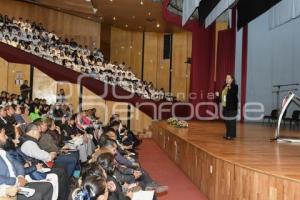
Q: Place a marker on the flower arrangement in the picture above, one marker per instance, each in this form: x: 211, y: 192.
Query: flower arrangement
x: 173, y: 121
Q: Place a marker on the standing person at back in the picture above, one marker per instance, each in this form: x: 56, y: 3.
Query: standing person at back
x: 25, y: 89
x: 61, y: 97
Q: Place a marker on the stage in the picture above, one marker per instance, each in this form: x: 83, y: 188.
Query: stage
x: 249, y: 167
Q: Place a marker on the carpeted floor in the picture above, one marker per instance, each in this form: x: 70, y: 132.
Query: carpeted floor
x: 165, y: 172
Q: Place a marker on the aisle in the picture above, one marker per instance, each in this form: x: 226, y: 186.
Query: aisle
x: 162, y: 169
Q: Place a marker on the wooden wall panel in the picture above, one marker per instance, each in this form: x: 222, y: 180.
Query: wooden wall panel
x: 224, y: 180
x: 151, y: 57
x: 84, y: 31
x: 136, y: 53
x: 106, y: 40
x: 91, y: 100
x: 139, y: 120
x: 219, y: 179
x: 71, y: 92
x: 156, y: 69
x: 4, y: 72
x: 13, y: 70
x: 163, y: 66
x: 120, y: 46
x: 118, y: 108
x: 44, y: 86
x: 126, y: 46
x: 9, y: 72
x: 181, y: 70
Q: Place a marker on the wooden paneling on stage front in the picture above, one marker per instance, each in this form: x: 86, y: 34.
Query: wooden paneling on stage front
x: 250, y: 167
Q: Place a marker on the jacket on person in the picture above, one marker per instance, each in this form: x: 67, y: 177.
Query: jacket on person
x: 47, y: 143
x: 4, y: 172
x: 232, y: 98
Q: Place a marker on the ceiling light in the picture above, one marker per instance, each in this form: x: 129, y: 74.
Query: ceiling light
x: 142, y: 3
x: 114, y: 18
x: 88, y: 0
x: 157, y: 25
x: 149, y: 13
x: 111, y: 0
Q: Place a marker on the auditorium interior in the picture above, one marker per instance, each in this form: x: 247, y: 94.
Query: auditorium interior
x: 149, y: 100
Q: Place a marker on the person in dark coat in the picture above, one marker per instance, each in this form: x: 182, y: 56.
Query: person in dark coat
x: 25, y: 90
x: 229, y: 101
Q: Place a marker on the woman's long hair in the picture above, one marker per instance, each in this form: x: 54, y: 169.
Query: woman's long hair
x: 233, y: 80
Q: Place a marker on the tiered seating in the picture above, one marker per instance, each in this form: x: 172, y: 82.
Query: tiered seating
x: 68, y: 61
x: 70, y: 155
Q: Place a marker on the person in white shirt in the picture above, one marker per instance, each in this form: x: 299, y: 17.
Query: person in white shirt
x: 32, y: 38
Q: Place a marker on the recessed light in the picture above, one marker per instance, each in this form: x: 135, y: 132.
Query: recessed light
x: 157, y: 25
x: 114, y: 18
x: 111, y: 0
x: 88, y: 0
x: 142, y: 3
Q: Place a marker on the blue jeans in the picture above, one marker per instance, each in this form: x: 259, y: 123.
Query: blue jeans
x: 68, y: 161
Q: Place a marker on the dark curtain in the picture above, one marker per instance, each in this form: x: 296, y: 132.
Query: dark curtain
x: 244, y: 69
x: 225, y: 57
x: 205, y: 7
x: 201, y: 79
x: 226, y: 53
x: 250, y: 9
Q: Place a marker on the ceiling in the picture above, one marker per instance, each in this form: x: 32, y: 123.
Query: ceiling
x: 79, y: 8
x: 126, y: 14
x: 176, y: 7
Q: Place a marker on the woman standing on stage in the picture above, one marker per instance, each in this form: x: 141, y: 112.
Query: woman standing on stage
x: 229, y: 101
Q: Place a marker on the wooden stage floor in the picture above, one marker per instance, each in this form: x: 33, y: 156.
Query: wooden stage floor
x: 251, y: 150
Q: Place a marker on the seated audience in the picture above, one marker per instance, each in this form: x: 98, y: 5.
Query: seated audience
x: 33, y: 38
x: 77, y: 139
x: 56, y: 141
x: 12, y: 174
x: 32, y: 151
